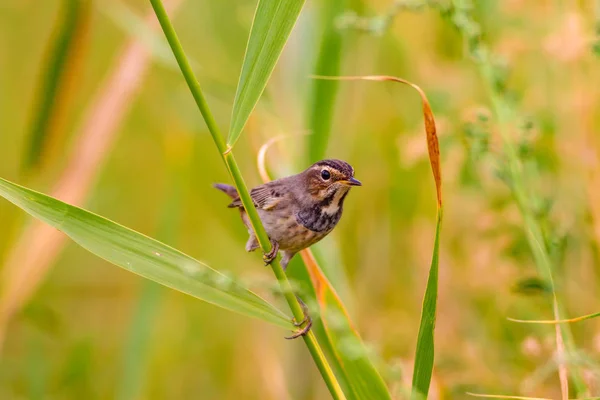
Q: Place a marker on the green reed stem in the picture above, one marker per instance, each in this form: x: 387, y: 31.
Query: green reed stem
x: 505, y: 118
x: 261, y: 234
x: 533, y: 230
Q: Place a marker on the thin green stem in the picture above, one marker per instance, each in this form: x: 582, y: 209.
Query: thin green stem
x: 261, y: 234
x: 533, y: 231
x: 535, y: 237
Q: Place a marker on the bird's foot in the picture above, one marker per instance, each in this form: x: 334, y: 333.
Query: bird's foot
x: 270, y: 256
x: 307, y: 322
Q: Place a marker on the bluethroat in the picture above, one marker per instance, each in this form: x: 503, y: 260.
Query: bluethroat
x: 299, y: 210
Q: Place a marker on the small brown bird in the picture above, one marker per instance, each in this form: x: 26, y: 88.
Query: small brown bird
x: 299, y: 210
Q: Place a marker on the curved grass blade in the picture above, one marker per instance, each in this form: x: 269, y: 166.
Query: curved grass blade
x: 501, y: 396
x: 348, y: 353
x: 433, y: 146
x: 142, y: 255
x: 348, y: 347
x: 555, y: 321
x: 272, y: 25
x: 424, y: 356
x: 302, y: 278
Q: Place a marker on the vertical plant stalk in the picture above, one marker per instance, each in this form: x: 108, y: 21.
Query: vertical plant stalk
x: 535, y: 238
x: 229, y: 159
x: 458, y: 14
x: 533, y: 231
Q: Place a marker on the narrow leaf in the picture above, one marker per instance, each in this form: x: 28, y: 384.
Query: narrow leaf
x: 556, y: 321
x: 561, y: 356
x: 501, y: 396
x: 272, y: 25
x: 349, y: 348
x: 137, y: 349
x: 424, y: 356
x: 300, y: 276
x: 142, y: 255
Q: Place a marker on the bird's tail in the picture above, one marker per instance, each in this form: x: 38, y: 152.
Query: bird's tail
x: 227, y: 189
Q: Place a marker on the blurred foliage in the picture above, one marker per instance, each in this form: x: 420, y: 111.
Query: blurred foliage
x: 68, y: 339
x: 60, y: 71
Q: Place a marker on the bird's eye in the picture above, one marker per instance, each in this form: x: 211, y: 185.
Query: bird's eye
x: 325, y: 175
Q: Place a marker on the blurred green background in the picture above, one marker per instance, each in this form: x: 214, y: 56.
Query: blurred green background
x: 91, y: 330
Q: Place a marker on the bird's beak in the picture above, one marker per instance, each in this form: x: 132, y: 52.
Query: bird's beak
x: 352, y: 182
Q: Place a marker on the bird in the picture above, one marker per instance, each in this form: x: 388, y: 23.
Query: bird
x: 299, y: 210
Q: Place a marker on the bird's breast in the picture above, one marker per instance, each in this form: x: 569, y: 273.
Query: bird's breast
x: 318, y: 219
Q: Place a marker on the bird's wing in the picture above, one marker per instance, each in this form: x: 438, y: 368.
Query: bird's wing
x: 265, y: 197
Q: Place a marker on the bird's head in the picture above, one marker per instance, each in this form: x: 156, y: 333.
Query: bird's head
x: 327, y: 178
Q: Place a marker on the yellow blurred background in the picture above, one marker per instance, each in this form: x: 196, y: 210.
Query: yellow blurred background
x: 122, y: 138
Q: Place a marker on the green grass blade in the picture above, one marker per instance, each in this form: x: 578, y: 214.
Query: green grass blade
x: 322, y: 100
x: 272, y: 25
x: 365, y: 381
x: 136, y: 351
x: 76, y: 378
x: 142, y: 255
x: 501, y: 396
x: 556, y: 321
x: 361, y: 378
x: 301, y: 277
x: 56, y: 72
x: 425, y: 342
x: 37, y: 369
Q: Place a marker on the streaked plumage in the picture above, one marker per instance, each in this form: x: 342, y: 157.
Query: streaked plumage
x: 299, y: 210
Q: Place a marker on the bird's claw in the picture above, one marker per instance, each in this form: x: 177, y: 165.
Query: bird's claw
x: 306, y: 320
x: 301, y: 331
x: 270, y: 256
